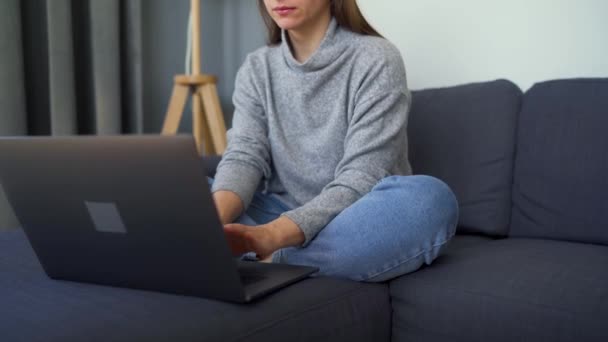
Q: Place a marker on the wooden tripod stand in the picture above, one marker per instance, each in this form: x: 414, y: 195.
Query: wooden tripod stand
x: 208, y: 125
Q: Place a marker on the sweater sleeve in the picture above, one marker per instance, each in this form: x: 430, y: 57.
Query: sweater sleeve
x: 247, y: 157
x: 375, y: 141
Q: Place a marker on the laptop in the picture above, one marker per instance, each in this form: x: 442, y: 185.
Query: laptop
x: 129, y: 211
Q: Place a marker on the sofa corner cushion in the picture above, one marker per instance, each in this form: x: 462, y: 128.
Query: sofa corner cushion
x: 465, y: 135
x: 319, y: 309
x: 560, y: 188
x: 506, y: 290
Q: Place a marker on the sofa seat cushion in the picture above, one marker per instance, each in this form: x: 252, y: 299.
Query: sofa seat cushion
x: 512, y: 289
x: 36, y: 308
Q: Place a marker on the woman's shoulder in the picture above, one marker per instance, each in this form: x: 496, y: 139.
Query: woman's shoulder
x: 374, y: 49
x: 257, y: 61
x: 377, y: 58
x: 261, y: 55
x: 377, y: 63
x: 380, y: 45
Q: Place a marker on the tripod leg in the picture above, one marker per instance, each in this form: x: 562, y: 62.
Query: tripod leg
x: 200, y: 127
x: 175, y: 110
x: 215, y: 118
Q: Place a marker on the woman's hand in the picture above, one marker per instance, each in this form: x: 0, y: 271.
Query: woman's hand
x: 243, y: 239
x: 264, y: 239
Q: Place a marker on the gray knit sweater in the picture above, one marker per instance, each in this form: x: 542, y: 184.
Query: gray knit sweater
x: 319, y: 134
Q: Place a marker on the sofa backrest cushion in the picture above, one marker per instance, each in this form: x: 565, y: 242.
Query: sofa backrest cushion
x: 560, y: 188
x: 465, y: 136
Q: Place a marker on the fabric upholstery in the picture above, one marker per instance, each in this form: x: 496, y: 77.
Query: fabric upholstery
x: 506, y: 290
x: 465, y: 135
x: 560, y: 188
x: 211, y: 163
x: 36, y: 308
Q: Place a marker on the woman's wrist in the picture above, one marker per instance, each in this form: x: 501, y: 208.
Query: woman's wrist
x: 285, y: 233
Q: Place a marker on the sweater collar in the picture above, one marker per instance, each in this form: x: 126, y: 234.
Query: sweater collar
x: 326, y: 53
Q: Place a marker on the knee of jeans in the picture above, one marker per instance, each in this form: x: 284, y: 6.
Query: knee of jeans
x: 443, y: 199
x: 434, y: 196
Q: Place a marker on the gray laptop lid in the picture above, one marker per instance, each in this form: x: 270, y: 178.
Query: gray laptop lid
x: 130, y: 211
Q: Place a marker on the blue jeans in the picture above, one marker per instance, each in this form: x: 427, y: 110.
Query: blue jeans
x: 401, y: 224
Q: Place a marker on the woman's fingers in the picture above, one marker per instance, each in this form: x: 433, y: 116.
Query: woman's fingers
x: 243, y: 239
x: 236, y: 239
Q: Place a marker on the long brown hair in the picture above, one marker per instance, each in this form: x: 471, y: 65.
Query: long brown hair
x: 346, y: 12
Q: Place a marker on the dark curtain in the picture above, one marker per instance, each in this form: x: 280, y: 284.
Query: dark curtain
x: 69, y: 67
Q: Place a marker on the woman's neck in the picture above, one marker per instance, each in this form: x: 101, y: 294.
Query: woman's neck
x: 305, y: 41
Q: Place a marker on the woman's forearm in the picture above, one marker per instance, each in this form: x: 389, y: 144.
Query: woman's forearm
x: 229, y: 206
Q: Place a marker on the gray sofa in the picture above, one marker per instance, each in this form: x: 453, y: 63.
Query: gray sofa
x: 529, y: 263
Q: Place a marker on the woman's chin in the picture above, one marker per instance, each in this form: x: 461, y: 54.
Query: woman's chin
x: 288, y: 23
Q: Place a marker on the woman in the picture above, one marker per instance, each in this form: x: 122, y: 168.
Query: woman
x: 316, y: 168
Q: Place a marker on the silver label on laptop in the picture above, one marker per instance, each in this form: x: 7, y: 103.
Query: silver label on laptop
x: 106, y: 217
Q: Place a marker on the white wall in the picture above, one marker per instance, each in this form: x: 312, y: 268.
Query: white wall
x: 447, y: 42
